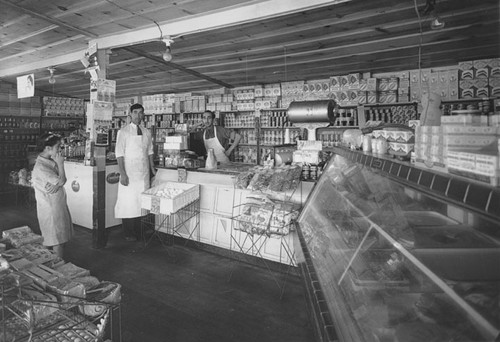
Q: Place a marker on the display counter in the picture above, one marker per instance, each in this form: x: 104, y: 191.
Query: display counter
x: 80, y: 192
x: 392, y: 252
x: 220, y: 202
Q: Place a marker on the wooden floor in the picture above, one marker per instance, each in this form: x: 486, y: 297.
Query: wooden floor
x: 183, y: 294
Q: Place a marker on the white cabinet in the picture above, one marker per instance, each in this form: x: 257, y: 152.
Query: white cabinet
x: 206, y: 227
x: 224, y: 201
x: 207, y: 198
x: 222, y: 232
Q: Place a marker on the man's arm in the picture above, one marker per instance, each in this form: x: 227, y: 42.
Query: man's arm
x: 235, y: 143
x: 123, y: 173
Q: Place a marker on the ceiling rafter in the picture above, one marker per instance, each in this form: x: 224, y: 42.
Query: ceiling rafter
x: 49, y: 19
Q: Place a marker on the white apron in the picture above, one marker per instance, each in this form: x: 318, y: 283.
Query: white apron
x: 214, y: 143
x: 52, y: 209
x: 128, y: 202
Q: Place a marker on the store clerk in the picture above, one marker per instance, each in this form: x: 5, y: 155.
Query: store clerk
x: 218, y: 138
x: 134, y: 153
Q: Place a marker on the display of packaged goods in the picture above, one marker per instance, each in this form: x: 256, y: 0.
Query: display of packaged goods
x: 41, y: 274
x: 88, y: 281
x: 169, y: 197
x: 67, y: 290
x: 32, y: 304
x: 71, y: 271
x: 21, y: 235
x: 37, y: 253
x: 400, y: 149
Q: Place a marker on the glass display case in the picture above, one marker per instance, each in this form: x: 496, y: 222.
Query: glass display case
x: 390, y: 259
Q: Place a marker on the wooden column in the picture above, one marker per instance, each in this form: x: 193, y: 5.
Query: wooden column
x: 99, y: 235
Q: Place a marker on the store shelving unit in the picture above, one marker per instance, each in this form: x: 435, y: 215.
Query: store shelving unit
x: 399, y: 249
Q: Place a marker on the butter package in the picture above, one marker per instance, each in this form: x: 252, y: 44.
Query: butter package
x: 362, y: 97
x: 495, y: 68
x: 465, y: 70
x: 352, y: 96
x: 306, y: 157
x: 494, y: 87
x: 466, y: 89
x: 371, y: 84
x: 371, y: 97
x: 354, y: 81
x: 383, y: 84
x: 363, y: 84
x: 335, y: 83
x: 481, y: 87
x: 344, y: 82
x: 481, y: 68
x: 400, y: 149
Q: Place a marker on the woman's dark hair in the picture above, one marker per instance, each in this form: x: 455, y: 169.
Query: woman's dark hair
x: 136, y: 106
x: 48, y: 139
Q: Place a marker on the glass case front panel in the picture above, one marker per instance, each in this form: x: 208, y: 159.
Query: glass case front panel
x: 398, y: 265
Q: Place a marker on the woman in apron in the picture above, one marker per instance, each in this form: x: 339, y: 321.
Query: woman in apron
x: 134, y: 153
x: 219, y: 139
x: 48, y: 179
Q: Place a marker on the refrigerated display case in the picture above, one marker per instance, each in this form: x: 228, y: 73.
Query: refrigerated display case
x: 395, y: 253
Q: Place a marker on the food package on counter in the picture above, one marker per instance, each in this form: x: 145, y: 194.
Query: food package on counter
x: 243, y: 179
x: 306, y: 157
x: 262, y: 218
x: 67, y: 290
x: 42, y: 275
x: 261, y: 179
x: 20, y: 236
x: 256, y: 214
x: 37, y: 253
x: 33, y: 304
x: 71, y: 271
x: 21, y: 264
x: 97, y: 298
x: 284, y: 214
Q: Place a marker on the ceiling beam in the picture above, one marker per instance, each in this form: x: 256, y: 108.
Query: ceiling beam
x: 194, y: 24
x: 177, y: 66
x: 49, y: 19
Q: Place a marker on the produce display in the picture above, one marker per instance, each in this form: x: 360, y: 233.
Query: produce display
x: 45, y: 299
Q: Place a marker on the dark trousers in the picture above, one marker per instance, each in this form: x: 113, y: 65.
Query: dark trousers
x: 132, y: 227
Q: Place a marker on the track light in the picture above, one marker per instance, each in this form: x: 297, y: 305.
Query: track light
x: 167, y: 55
x: 437, y: 23
x: 52, y: 80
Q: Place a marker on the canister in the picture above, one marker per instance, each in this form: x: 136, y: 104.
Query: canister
x: 367, y: 143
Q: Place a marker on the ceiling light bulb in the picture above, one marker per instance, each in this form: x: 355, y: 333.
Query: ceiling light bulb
x: 52, y: 80
x: 167, y: 55
x: 437, y: 23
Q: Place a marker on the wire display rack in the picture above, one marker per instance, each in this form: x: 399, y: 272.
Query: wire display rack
x: 24, y: 319
x: 249, y: 237
x: 184, y: 223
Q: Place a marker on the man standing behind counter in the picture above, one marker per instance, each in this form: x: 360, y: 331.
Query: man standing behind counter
x: 134, y: 153
x: 218, y: 138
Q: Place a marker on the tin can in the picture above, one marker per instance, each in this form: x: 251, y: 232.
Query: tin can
x: 367, y: 143
x: 313, y: 174
x: 306, y: 171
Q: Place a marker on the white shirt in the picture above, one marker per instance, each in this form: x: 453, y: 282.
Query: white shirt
x: 130, y: 130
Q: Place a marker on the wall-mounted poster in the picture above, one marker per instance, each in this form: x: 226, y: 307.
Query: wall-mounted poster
x: 26, y: 86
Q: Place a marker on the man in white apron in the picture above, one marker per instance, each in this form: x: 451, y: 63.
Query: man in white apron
x: 217, y: 138
x: 134, y: 153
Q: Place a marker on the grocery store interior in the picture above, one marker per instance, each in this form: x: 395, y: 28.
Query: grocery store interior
x: 356, y: 197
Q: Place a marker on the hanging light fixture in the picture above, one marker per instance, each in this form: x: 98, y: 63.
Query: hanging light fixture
x: 437, y: 23
x: 167, y: 55
x: 52, y: 79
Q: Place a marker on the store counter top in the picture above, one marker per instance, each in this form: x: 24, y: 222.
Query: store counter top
x: 224, y: 169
